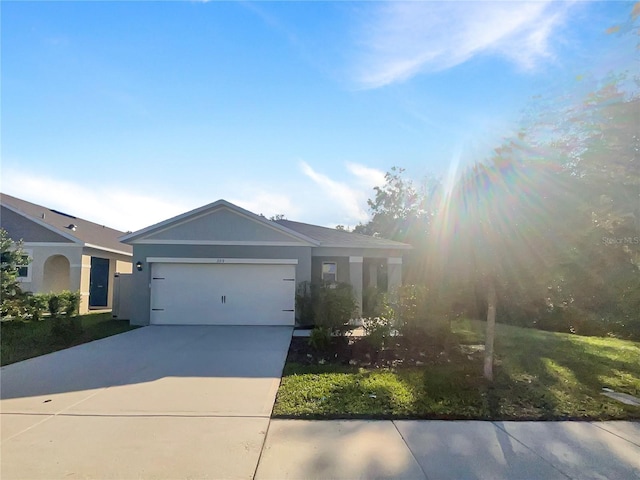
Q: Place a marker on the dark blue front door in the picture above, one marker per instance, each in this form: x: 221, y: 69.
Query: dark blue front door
x: 99, y: 282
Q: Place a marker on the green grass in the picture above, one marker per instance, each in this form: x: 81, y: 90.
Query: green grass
x: 22, y: 340
x: 539, y: 376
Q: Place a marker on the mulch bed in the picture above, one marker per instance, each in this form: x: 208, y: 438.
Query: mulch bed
x: 357, y: 351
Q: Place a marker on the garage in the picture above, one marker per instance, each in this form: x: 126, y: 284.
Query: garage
x: 222, y: 265
x: 222, y: 291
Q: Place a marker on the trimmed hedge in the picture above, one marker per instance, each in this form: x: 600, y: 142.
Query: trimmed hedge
x: 34, y: 306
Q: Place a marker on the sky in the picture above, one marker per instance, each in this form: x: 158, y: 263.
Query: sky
x: 128, y: 113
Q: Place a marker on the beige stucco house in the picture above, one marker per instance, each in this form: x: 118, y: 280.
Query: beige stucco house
x: 66, y: 252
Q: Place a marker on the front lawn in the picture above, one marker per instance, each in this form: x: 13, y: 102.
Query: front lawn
x: 21, y: 340
x: 539, y: 376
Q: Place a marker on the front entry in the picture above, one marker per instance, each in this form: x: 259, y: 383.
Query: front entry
x: 99, y: 283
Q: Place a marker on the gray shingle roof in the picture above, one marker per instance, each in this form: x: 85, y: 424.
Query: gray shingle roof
x: 86, y: 232
x: 330, y: 237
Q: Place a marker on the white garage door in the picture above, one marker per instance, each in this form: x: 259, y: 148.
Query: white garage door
x: 222, y: 294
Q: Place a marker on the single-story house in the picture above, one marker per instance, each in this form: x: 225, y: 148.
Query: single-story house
x: 66, y: 252
x: 223, y: 265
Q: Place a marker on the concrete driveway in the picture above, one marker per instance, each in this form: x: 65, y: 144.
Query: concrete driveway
x: 157, y: 402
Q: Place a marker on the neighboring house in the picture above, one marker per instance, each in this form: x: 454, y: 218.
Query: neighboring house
x: 221, y: 264
x: 67, y: 253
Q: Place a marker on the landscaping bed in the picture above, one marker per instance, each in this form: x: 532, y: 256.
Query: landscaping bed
x: 357, y: 351
x: 538, y: 376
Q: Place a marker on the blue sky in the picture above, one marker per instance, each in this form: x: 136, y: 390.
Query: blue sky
x: 127, y: 113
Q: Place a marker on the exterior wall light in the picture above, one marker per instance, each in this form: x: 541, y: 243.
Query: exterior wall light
x: 139, y: 266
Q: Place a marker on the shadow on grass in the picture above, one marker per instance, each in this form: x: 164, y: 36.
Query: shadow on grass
x: 551, y: 376
x: 538, y: 376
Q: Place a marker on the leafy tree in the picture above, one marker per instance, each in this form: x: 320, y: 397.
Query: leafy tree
x: 545, y: 232
x: 548, y: 228
x: 12, y: 258
x: 602, y: 173
x: 399, y: 210
x: 403, y: 212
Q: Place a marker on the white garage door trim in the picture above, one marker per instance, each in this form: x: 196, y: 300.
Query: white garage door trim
x: 222, y: 291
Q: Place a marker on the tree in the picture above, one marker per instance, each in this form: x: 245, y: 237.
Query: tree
x: 499, y: 234
x: 598, y: 156
x: 12, y: 259
x: 550, y: 225
x: 403, y: 212
x: 400, y: 211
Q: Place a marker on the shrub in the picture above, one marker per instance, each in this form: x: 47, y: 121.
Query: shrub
x: 320, y: 338
x: 422, y: 316
x: 410, y: 308
x: 334, y: 306
x: 372, y: 299
x: 71, y: 302
x: 14, y: 307
x: 376, y: 303
x: 54, y: 303
x: 327, y: 305
x: 304, y: 302
x: 37, y: 304
x: 377, y: 331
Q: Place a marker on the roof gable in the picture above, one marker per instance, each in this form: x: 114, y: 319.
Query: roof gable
x: 68, y: 227
x: 219, y: 223
x: 22, y: 227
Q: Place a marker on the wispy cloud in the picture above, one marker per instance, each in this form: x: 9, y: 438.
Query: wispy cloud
x: 349, y: 200
x: 267, y: 203
x: 403, y: 39
x: 118, y: 206
x: 367, y: 176
x: 107, y: 205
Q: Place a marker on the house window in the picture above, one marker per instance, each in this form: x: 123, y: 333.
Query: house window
x: 329, y: 272
x: 23, y: 266
x: 23, y: 272
x: 24, y: 269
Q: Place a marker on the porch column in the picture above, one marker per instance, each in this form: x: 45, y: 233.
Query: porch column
x: 84, y: 275
x: 394, y: 274
x: 355, y: 278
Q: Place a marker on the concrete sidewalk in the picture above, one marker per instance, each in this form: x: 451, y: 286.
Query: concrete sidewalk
x: 358, y: 449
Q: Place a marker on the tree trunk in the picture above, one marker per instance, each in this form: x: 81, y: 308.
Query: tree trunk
x: 491, y: 331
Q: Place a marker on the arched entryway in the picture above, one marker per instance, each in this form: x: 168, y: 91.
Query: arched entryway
x: 56, y: 274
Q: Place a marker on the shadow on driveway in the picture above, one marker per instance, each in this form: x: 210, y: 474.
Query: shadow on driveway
x: 158, y: 366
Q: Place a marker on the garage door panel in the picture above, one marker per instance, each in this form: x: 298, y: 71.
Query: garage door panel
x: 222, y: 294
